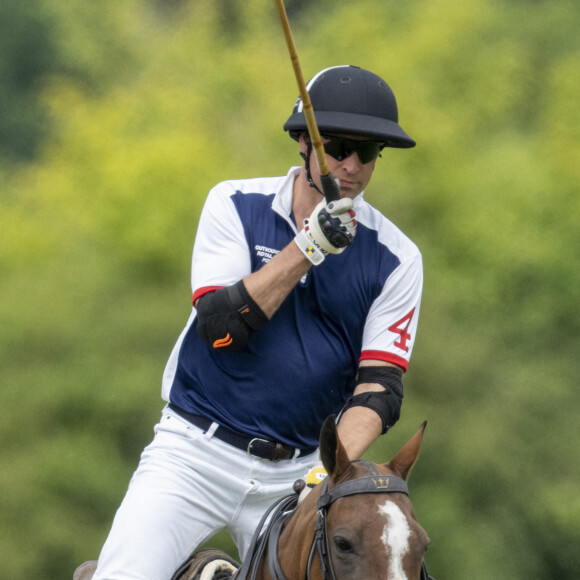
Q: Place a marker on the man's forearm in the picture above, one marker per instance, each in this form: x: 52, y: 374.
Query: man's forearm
x: 270, y: 285
x: 358, y: 429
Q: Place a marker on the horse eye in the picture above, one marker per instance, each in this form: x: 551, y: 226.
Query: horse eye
x: 342, y: 544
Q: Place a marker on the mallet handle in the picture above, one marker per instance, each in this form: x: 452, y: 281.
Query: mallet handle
x: 330, y: 187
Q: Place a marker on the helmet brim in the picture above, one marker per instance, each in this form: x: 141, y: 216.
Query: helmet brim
x: 376, y: 129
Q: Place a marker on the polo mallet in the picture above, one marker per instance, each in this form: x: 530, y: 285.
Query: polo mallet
x: 329, y: 185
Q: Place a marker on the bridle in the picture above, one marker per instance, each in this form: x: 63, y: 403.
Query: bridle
x: 281, y: 511
x: 370, y: 484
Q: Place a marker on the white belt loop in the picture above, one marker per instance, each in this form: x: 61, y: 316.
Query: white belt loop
x: 212, y: 429
x: 296, y: 454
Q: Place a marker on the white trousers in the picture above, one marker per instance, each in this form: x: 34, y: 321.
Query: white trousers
x: 188, y: 486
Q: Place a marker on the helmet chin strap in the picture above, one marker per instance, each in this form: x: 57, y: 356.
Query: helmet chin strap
x: 306, y: 157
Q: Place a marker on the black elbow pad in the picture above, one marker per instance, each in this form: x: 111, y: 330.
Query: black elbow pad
x: 227, y: 318
x: 386, y: 404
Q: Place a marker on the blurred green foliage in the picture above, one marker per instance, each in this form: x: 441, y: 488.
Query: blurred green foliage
x: 117, y: 118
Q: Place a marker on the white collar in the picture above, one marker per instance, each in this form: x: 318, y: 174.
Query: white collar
x: 282, y: 203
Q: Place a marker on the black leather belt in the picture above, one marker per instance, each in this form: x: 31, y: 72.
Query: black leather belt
x: 253, y: 445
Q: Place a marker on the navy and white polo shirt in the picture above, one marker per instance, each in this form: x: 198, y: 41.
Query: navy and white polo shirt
x: 300, y: 367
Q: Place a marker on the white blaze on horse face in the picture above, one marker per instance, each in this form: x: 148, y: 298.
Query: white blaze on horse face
x: 395, y: 538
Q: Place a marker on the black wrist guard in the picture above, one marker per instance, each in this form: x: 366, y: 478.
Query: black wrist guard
x: 387, y: 403
x: 227, y: 318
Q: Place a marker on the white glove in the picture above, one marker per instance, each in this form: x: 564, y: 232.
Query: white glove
x: 329, y: 230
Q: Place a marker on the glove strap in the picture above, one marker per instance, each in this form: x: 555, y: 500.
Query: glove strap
x: 305, y: 245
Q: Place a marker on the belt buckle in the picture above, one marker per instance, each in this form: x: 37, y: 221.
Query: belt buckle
x: 257, y: 440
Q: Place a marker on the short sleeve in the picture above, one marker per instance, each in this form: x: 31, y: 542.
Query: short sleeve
x: 221, y: 255
x: 391, y: 325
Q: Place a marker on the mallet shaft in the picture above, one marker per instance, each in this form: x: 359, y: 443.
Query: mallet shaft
x: 331, y: 189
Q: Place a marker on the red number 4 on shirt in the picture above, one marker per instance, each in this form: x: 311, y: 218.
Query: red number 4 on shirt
x: 400, y: 327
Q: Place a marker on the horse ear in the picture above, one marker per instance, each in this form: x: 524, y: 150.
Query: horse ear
x: 332, y: 452
x: 403, y: 462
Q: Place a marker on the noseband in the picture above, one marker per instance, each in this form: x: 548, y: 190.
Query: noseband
x: 281, y: 511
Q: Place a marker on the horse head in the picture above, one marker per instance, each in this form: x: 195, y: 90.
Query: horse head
x: 370, y: 528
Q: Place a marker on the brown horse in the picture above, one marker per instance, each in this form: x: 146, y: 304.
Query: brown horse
x: 358, y: 524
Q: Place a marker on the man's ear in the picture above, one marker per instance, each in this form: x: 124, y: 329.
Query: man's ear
x: 303, y: 143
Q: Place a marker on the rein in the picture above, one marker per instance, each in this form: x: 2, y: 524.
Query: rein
x: 276, y: 516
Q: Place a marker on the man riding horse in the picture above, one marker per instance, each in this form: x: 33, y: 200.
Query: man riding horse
x: 301, y: 308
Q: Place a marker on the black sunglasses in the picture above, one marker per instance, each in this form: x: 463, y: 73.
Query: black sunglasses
x: 340, y: 148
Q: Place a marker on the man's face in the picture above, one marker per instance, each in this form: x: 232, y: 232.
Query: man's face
x: 353, y: 174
